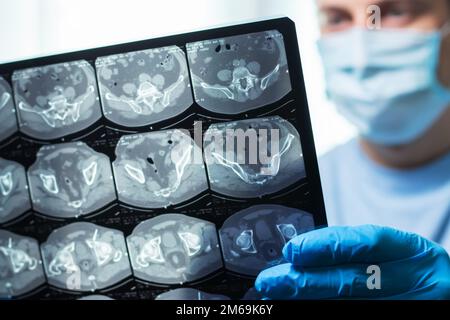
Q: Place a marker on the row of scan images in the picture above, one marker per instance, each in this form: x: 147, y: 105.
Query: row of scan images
x: 181, y: 294
x: 170, y: 249
x: 153, y: 170
x: 186, y: 294
x: 229, y: 75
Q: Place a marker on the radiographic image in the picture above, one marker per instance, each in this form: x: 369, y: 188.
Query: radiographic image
x: 56, y: 100
x: 252, y: 239
x: 85, y: 257
x: 143, y: 87
x: 20, y: 265
x: 158, y: 169
x: 174, y: 249
x: 240, y: 73
x: 14, y: 195
x: 70, y: 179
x: 253, y: 158
x: 7, y: 111
x: 189, y: 294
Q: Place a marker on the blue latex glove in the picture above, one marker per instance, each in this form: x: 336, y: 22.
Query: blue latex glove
x: 332, y: 263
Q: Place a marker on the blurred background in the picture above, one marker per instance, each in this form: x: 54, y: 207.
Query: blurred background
x: 30, y: 28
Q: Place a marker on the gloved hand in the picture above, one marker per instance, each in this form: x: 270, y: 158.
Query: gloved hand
x: 332, y: 263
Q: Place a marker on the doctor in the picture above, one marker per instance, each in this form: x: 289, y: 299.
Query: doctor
x: 393, y: 84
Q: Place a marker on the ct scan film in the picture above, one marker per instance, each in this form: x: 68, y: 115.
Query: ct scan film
x: 174, y: 168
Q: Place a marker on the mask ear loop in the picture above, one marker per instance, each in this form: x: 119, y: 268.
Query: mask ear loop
x: 445, y: 30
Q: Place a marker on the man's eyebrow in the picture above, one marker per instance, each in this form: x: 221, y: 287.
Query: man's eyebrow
x: 381, y: 3
x: 333, y: 6
x: 416, y: 6
x: 328, y: 7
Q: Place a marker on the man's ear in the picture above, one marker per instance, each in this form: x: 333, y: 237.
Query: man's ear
x: 444, y: 67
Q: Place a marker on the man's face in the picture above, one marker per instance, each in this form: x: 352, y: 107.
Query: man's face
x: 422, y: 15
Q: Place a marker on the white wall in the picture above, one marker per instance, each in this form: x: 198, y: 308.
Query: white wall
x: 40, y: 27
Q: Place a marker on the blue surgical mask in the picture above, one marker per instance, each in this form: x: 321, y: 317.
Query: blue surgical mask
x: 385, y: 82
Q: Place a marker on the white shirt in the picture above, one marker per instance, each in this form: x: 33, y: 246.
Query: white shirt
x: 358, y: 191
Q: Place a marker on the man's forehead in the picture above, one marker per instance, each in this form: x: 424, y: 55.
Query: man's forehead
x: 324, y: 4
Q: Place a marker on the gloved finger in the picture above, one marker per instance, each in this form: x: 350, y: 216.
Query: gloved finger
x: 363, y: 244
x: 287, y: 281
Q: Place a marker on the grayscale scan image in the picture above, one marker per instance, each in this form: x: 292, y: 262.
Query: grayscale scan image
x: 252, y: 239
x: 14, y: 193
x: 174, y: 249
x: 143, y: 87
x: 85, y: 257
x: 253, y: 158
x: 189, y: 294
x: 158, y: 169
x: 56, y: 100
x: 20, y: 265
x: 7, y: 111
x: 70, y: 179
x: 240, y: 73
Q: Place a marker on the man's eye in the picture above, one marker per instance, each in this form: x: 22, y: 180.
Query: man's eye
x: 397, y: 12
x: 334, y: 19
